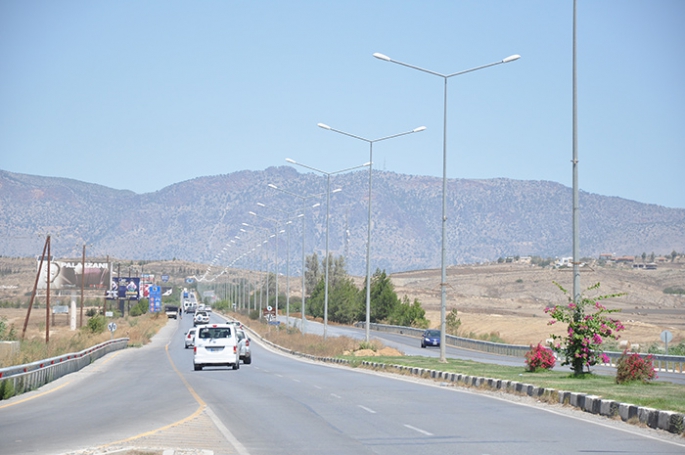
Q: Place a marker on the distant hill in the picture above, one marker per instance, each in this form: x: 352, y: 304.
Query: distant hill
x: 198, y: 219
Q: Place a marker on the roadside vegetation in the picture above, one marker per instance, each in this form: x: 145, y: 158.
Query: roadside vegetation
x: 139, y: 329
x: 659, y: 395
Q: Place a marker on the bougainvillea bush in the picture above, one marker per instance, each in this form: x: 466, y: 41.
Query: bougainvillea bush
x: 589, y: 325
x: 633, y: 367
x: 539, y: 358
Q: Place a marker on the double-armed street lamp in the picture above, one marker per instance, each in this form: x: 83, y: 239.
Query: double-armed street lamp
x: 368, y: 234
x: 265, y: 267
x: 303, y: 216
x: 278, y: 231
x: 288, y: 217
x: 445, y: 77
x: 328, y: 198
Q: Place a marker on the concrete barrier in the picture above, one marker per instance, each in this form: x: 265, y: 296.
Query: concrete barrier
x: 24, y: 378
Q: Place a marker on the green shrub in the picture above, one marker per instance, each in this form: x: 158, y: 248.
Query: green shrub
x: 97, y: 324
x: 674, y: 290
x: 6, y: 390
x: 139, y: 308
x: 254, y: 315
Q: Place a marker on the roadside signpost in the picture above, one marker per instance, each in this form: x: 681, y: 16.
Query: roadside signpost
x: 112, y: 328
x: 666, y: 336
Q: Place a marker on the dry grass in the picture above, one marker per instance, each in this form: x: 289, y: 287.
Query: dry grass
x: 139, y: 330
x: 293, y: 339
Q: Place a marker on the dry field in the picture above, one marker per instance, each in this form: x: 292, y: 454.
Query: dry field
x: 507, y: 299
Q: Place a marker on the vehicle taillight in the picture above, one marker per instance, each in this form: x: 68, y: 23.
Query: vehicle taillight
x: 195, y: 349
x: 235, y: 349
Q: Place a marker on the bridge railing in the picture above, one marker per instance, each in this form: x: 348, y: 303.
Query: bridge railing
x: 30, y: 376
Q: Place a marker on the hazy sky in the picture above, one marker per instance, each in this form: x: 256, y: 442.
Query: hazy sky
x: 139, y: 95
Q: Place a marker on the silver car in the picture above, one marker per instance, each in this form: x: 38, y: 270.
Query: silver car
x: 244, y: 346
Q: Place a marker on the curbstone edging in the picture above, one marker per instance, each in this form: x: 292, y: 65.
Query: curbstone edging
x: 670, y: 421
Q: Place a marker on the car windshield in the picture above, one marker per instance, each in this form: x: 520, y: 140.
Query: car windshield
x: 215, y: 332
x: 433, y: 333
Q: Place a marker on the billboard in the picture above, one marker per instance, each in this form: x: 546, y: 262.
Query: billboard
x: 68, y: 275
x: 124, y: 288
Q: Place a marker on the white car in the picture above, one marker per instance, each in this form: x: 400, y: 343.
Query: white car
x: 190, y: 337
x: 244, y: 346
x: 216, y: 345
x: 201, y: 317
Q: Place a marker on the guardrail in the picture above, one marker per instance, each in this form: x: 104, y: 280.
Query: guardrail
x: 667, y: 363
x: 30, y: 376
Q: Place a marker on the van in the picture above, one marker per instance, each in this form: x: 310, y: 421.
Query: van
x: 216, y: 345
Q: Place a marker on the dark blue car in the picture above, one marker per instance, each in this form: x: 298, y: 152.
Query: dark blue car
x: 430, y: 337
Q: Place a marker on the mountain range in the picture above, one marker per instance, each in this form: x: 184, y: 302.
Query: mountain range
x: 208, y: 220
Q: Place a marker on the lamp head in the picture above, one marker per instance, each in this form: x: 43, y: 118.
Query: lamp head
x: 252, y: 213
x: 511, y: 58
x: 291, y: 161
x: 271, y: 185
x: 380, y: 56
x: 323, y: 125
x: 260, y: 204
x: 419, y: 129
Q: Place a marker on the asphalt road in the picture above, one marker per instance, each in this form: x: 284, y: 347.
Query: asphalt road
x: 151, y: 397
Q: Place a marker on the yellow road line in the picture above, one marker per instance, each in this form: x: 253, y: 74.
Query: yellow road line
x: 197, y: 412
x: 34, y: 396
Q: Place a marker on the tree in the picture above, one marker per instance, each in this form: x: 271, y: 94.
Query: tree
x: 343, y: 295
x: 586, y: 330
x: 453, y: 323
x: 312, y: 273
x: 383, y: 298
x: 409, y: 314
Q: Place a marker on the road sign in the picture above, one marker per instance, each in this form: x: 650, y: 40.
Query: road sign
x: 112, y: 327
x: 666, y: 336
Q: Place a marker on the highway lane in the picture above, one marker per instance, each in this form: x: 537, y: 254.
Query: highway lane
x: 123, y: 394
x: 282, y: 405
x: 279, y: 405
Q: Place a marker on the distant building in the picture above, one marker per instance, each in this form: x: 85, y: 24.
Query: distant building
x: 606, y: 257
x: 625, y: 259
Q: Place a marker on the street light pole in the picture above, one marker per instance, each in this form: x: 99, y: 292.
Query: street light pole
x: 368, y: 234
x: 328, y: 197
x: 277, y: 229
x: 443, y: 267
x: 576, y: 210
x: 287, y: 215
x: 304, y: 212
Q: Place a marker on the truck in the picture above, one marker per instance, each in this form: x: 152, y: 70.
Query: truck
x: 171, y: 311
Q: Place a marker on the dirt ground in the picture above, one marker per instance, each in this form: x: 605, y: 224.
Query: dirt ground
x: 505, y: 299
x: 510, y: 299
